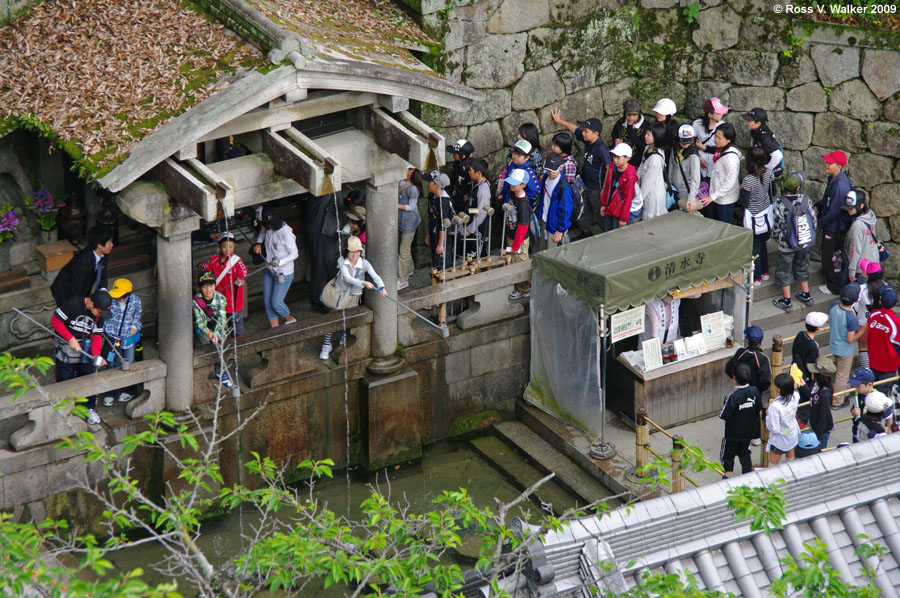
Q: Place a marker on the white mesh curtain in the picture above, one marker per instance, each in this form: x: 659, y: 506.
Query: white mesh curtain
x: 564, y: 344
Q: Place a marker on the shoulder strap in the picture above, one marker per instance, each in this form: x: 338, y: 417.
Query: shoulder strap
x: 871, y: 231
x: 228, y: 266
x: 124, y: 313
x: 201, y: 303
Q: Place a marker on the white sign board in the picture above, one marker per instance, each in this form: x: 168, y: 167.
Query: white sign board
x: 627, y: 323
x: 652, y: 354
x: 713, y: 327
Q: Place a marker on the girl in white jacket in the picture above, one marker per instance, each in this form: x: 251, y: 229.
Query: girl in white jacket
x: 281, y: 250
x: 781, y: 419
x: 725, y: 186
x: 650, y: 172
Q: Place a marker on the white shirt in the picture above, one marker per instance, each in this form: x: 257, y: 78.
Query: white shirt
x: 549, y: 186
x: 781, y: 420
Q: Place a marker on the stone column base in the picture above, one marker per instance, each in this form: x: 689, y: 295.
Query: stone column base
x: 391, y: 419
x: 385, y: 366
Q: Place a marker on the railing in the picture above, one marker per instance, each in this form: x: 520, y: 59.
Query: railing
x: 643, y: 451
x: 47, y: 424
x: 281, y: 349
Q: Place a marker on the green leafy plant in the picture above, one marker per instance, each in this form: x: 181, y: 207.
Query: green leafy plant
x: 691, y: 11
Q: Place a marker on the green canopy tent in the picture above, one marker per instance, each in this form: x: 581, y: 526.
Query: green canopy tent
x: 609, y: 273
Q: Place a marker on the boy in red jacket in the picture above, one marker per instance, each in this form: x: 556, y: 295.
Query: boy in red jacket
x: 884, y: 338
x: 617, y: 198
x: 230, y: 272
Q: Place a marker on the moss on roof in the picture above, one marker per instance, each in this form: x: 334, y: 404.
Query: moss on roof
x: 375, y: 31
x: 97, y: 76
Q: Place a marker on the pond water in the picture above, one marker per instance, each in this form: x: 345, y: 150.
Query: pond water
x: 448, y: 465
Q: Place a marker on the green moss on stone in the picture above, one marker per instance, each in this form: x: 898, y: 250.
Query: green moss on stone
x: 476, y: 421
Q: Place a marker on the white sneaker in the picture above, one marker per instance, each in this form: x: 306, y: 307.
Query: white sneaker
x: 325, y: 352
x: 92, y: 418
x: 757, y: 283
x: 401, y: 285
x: 108, y: 401
x: 765, y: 277
x: 517, y: 295
x: 755, y: 441
x: 124, y: 397
x: 823, y: 288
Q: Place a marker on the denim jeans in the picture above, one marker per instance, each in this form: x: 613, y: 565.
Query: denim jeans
x: 760, y: 264
x: 274, y: 293
x: 725, y: 213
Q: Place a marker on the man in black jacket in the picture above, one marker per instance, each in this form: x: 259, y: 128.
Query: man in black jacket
x: 753, y: 357
x: 756, y: 359
x: 832, y: 219
x: 86, y: 271
x: 741, y: 414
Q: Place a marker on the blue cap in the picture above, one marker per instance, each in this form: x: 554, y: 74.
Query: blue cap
x: 861, y: 376
x: 808, y: 440
x: 753, y: 333
x: 888, y: 296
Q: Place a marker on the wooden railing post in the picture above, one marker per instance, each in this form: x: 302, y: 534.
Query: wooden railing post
x: 641, y: 440
x: 677, y: 474
x: 777, y: 355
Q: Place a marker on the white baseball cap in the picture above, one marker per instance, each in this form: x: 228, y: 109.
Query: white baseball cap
x: 686, y: 132
x: 523, y: 146
x: 816, y: 318
x: 877, y: 402
x: 665, y: 106
x: 517, y: 176
x: 622, y: 149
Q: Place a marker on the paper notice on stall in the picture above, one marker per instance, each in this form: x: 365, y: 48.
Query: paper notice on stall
x: 713, y: 327
x: 627, y: 323
x: 695, y: 345
x: 652, y: 354
x: 680, y: 349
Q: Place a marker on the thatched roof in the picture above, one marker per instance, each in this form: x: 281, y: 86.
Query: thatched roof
x: 99, y: 76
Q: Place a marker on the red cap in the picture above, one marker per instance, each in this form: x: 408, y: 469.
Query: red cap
x: 836, y: 157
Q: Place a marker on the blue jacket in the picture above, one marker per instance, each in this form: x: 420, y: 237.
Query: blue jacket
x: 832, y: 203
x: 532, y: 187
x: 559, y: 216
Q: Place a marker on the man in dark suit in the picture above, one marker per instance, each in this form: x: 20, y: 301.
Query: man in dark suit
x: 86, y: 271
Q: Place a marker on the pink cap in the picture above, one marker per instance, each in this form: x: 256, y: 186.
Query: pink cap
x: 717, y: 106
x: 869, y: 267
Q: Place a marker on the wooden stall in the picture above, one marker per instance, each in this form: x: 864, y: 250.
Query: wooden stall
x: 675, y: 256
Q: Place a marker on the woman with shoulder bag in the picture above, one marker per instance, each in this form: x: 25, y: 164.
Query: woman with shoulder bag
x: 345, y: 289
x: 758, y: 212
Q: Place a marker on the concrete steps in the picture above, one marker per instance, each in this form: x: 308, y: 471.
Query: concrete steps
x: 777, y: 322
x: 522, y: 474
x: 587, y: 488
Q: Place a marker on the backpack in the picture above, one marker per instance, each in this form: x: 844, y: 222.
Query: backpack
x: 801, y: 229
x: 577, y: 187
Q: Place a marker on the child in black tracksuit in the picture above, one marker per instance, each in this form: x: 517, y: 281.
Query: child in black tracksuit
x: 741, y: 414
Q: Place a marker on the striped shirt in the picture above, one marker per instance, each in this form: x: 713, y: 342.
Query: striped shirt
x: 759, y: 191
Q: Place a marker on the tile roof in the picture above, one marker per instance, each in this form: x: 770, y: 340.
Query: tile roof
x: 834, y: 496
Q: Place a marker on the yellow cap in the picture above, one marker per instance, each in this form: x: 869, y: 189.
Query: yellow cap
x: 122, y: 286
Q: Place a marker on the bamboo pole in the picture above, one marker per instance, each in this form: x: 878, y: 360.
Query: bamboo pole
x: 776, y: 361
x: 641, y: 439
x: 677, y: 474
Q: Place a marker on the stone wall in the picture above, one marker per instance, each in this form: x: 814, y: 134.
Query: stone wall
x: 825, y: 87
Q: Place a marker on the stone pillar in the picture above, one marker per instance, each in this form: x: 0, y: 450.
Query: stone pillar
x: 381, y: 250
x: 175, y: 332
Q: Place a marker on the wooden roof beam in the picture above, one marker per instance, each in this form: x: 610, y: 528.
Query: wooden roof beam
x: 194, y: 185
x: 297, y: 157
x: 412, y: 139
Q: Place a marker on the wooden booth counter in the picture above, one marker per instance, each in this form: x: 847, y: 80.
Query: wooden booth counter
x: 673, y: 394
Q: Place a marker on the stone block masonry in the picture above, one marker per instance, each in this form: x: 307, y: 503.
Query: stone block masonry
x: 825, y: 86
